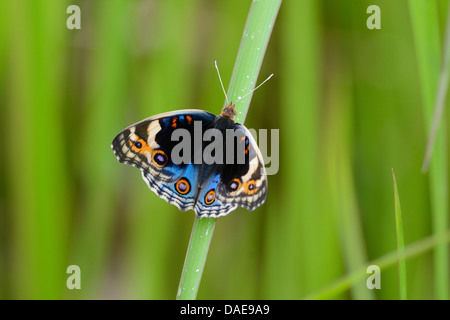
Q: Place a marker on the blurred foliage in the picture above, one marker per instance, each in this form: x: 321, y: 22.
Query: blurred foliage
x: 347, y: 101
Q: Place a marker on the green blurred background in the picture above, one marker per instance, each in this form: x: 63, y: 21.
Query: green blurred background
x: 348, y: 103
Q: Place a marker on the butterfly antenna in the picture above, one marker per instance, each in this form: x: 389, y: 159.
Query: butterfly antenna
x: 221, y: 83
x: 255, y: 88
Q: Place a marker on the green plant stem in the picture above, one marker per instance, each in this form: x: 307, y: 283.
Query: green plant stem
x: 199, y: 243
x: 258, y: 28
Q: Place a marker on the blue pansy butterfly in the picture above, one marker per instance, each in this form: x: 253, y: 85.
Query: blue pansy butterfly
x: 211, y: 189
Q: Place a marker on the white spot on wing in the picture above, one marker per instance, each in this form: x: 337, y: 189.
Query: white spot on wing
x: 152, y: 130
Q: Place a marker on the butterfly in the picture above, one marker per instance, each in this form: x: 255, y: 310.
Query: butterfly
x: 211, y: 189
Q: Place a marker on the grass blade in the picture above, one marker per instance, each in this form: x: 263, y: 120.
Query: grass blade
x: 440, y: 97
x: 424, y: 22
x: 400, y: 242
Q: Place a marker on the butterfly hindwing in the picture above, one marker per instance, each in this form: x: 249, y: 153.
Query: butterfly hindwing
x: 208, y: 205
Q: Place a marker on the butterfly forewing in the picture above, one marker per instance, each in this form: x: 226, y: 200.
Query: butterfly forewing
x: 148, y: 146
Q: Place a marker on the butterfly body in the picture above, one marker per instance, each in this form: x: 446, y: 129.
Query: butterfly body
x: 232, y: 175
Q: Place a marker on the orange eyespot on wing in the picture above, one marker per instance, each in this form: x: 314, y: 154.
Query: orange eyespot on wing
x: 210, y: 197
x: 250, y: 187
x: 183, y: 186
x: 159, y: 158
x: 139, y: 146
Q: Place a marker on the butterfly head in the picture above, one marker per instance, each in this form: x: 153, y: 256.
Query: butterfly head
x: 229, y: 111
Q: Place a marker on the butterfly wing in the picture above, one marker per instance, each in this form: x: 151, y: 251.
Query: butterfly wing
x: 147, y: 145
x: 243, y: 185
